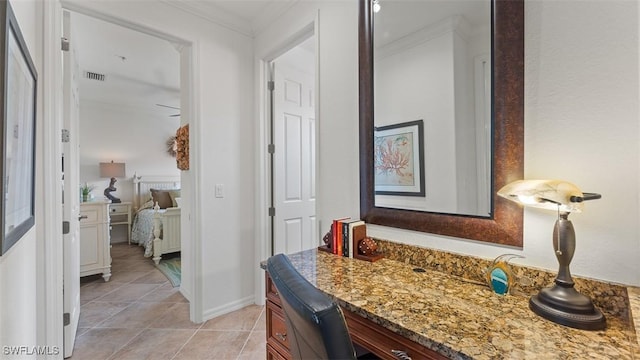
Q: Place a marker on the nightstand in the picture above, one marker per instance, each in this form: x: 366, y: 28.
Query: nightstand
x: 120, y: 214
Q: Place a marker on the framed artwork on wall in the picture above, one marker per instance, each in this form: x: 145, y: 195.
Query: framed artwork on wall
x: 399, y: 159
x: 18, y: 103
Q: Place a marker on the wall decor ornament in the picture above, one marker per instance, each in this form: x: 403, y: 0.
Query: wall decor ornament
x: 182, y: 147
x: 171, y: 145
x: 18, y: 103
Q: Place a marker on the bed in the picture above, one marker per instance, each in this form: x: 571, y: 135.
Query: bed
x: 156, y: 224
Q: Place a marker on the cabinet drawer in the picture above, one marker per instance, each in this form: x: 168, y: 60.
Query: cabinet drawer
x: 92, y: 216
x: 272, y: 292
x: 273, y: 354
x: 118, y: 209
x: 382, y: 341
x: 277, y: 329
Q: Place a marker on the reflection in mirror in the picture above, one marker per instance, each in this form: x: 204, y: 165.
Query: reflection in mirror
x: 503, y: 225
x: 432, y: 63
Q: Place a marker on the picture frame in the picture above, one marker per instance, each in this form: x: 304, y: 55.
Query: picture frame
x: 18, y: 103
x: 399, y: 159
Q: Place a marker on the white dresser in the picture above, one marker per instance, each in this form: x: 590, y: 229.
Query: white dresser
x: 95, y: 244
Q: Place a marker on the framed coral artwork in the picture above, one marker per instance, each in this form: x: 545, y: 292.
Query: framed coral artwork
x: 399, y: 159
x: 182, y: 147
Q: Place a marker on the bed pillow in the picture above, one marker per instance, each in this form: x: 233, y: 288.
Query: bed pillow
x: 174, y: 194
x: 162, y: 197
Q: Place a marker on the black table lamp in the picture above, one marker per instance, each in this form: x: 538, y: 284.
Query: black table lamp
x: 112, y: 170
x: 561, y: 303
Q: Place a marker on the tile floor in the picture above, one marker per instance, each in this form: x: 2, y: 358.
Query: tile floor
x: 139, y: 315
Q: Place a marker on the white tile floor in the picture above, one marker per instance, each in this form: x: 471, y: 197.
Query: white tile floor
x: 139, y: 315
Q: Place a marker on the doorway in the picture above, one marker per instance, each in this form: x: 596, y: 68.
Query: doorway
x: 293, y: 124
x: 71, y: 287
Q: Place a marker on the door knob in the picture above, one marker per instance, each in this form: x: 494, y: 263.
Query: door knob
x: 82, y: 217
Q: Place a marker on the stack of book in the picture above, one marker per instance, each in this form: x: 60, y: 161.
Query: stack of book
x: 343, y: 233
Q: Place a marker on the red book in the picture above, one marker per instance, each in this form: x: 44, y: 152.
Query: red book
x: 336, y: 236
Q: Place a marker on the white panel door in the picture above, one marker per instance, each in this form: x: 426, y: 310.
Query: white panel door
x: 294, y: 170
x: 71, y: 197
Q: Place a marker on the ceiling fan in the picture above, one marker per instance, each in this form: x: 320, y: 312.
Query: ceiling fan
x: 170, y: 107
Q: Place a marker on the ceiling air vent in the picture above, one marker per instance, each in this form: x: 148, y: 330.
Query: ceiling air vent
x: 93, y: 76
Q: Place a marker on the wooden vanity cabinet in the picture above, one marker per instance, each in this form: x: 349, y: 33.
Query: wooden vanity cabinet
x: 277, y: 342
x: 375, y: 338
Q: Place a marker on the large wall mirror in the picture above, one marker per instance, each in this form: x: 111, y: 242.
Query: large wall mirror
x: 441, y: 115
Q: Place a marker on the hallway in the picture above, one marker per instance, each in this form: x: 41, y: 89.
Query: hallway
x: 139, y: 315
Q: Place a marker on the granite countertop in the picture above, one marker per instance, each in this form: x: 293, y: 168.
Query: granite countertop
x: 458, y: 318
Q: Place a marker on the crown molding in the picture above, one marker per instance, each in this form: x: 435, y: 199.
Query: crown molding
x: 212, y: 13
x: 208, y: 10
x: 454, y: 24
x: 271, y: 13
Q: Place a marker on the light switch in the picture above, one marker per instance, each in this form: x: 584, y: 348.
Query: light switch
x: 219, y: 190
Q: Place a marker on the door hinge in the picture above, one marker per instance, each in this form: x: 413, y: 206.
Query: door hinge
x: 271, y: 149
x: 271, y: 85
x: 272, y: 211
x: 64, y: 44
x: 65, y: 135
x: 65, y: 227
x: 66, y: 319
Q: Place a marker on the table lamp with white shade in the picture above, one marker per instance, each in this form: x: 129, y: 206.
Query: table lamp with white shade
x: 561, y: 303
x: 112, y: 170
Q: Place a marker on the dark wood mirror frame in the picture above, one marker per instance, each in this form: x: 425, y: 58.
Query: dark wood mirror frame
x: 505, y: 224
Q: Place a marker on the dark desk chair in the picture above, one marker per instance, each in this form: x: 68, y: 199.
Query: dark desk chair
x: 316, y: 327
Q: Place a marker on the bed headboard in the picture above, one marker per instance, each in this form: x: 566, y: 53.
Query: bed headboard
x: 142, y: 186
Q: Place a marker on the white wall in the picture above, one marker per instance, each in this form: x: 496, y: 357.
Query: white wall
x: 122, y: 133
x: 581, y: 125
x: 18, y: 307
x: 581, y: 118
x: 222, y: 150
x: 18, y: 267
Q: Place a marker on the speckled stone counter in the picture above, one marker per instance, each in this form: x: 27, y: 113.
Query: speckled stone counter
x: 634, y: 305
x: 458, y: 318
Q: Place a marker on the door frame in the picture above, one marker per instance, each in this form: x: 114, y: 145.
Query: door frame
x: 189, y: 95
x: 263, y: 109
x: 49, y: 236
x: 49, y: 242
x: 70, y: 199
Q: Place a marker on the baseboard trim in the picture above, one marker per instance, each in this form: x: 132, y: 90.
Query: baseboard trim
x: 227, y: 308
x: 185, y: 293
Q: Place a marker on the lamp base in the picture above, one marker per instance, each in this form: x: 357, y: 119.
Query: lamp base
x: 107, y: 194
x: 564, y: 305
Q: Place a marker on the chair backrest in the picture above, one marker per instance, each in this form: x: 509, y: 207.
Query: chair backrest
x: 316, y: 327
